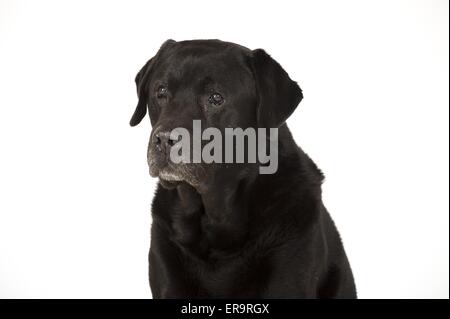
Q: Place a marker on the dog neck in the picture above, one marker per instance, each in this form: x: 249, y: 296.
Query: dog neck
x: 214, y: 221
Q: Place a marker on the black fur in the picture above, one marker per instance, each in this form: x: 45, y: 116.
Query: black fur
x: 227, y: 231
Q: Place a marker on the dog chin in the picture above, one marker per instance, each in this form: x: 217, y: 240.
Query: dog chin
x: 168, y: 184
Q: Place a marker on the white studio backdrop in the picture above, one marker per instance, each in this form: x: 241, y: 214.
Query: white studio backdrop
x: 75, y: 192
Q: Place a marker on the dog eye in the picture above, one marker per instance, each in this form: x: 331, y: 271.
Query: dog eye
x: 216, y: 99
x: 161, y: 92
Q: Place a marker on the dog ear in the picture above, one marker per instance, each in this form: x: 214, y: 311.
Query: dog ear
x: 141, y: 80
x: 278, y: 95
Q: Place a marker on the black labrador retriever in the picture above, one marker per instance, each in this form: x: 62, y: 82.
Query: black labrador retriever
x: 225, y: 230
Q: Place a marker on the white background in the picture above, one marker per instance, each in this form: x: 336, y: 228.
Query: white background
x: 75, y: 192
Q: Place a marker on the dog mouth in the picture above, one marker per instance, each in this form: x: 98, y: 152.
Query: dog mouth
x: 164, y: 171
x: 169, y: 179
x: 170, y: 175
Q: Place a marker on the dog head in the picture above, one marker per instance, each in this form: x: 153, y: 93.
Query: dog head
x: 219, y: 84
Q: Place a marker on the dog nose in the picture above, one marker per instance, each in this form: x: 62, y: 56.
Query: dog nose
x: 163, y: 141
